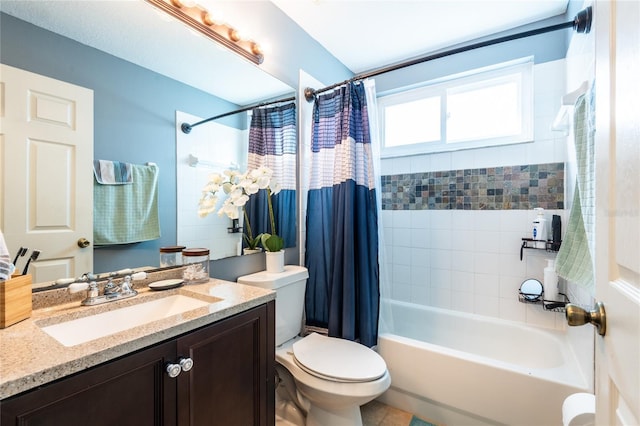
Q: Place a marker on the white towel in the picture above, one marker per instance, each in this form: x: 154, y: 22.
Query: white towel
x: 6, y: 267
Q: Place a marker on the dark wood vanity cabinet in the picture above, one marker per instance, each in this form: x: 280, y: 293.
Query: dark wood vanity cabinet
x: 231, y: 383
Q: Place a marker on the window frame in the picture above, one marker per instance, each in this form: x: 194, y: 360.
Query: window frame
x: 521, y: 72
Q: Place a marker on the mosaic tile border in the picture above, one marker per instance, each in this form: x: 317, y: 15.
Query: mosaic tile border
x: 494, y: 188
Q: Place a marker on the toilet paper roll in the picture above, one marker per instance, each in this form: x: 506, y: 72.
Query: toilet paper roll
x: 579, y: 409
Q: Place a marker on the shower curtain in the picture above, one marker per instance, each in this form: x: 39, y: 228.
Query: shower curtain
x: 272, y: 143
x: 342, y: 222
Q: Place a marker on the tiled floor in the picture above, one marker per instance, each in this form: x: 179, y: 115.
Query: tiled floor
x: 378, y: 414
x: 375, y: 414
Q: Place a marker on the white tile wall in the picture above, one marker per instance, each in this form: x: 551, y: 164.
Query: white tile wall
x: 466, y: 260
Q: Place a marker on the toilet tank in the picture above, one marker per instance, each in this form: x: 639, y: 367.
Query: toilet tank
x: 290, y: 287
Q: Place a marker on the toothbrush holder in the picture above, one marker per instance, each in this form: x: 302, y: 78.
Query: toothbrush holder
x: 15, y: 300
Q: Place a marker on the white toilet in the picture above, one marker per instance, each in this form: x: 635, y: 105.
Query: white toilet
x: 323, y: 380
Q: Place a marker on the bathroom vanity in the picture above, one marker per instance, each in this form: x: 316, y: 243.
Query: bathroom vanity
x: 211, y: 365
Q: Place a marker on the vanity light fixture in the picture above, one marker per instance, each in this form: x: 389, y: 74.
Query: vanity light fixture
x: 203, y: 21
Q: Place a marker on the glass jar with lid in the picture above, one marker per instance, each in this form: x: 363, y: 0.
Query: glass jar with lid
x: 171, y: 255
x: 196, y: 261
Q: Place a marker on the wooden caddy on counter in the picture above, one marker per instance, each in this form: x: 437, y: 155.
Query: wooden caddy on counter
x: 15, y: 300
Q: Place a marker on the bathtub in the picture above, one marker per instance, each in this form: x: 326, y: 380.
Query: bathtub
x: 463, y: 369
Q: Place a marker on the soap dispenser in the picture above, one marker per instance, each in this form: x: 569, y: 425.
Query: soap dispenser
x: 550, y: 281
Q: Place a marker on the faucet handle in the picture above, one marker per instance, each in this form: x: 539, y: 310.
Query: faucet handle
x: 126, y: 285
x: 139, y: 276
x: 92, y: 288
x: 77, y: 287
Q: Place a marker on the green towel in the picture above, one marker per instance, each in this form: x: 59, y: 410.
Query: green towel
x: 575, y: 258
x: 127, y: 213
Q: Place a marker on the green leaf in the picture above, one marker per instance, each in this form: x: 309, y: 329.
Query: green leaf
x: 252, y: 243
x: 271, y: 242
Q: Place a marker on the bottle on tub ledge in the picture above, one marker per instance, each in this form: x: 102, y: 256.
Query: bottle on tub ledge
x: 550, y: 283
x: 539, y: 232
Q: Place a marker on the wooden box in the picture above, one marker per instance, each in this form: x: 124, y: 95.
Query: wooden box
x: 15, y: 300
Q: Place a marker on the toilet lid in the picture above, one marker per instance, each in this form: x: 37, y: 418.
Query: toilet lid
x: 338, y: 359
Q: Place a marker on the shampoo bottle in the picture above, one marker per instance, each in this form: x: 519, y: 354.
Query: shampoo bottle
x: 550, y: 281
x: 540, y: 228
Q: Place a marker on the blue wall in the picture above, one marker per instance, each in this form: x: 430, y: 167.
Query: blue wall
x: 134, y: 116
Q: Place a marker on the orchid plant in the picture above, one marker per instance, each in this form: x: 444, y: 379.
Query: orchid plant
x: 239, y: 187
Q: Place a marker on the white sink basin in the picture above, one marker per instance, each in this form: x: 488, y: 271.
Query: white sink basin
x: 82, y: 330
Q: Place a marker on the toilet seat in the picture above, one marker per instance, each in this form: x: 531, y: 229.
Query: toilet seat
x: 337, y: 360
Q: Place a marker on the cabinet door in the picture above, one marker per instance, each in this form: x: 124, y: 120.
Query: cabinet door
x: 134, y: 390
x: 232, y: 380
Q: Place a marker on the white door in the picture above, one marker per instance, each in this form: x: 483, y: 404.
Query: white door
x: 617, y: 26
x: 46, y: 152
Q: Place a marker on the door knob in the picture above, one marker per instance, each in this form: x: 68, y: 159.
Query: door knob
x: 578, y: 316
x: 83, y: 243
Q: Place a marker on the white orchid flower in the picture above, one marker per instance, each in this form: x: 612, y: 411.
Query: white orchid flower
x: 216, y: 178
x: 241, y: 200
x: 211, y: 187
x: 274, y: 186
x: 235, y: 193
x: 229, y: 209
x: 263, y: 182
x: 207, y: 205
x: 250, y: 187
x: 228, y: 187
x: 239, y: 187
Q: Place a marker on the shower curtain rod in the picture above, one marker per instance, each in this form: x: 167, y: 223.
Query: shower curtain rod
x: 186, y: 127
x: 581, y: 24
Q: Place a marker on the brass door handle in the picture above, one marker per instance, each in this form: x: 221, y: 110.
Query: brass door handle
x: 83, y: 243
x: 577, y: 316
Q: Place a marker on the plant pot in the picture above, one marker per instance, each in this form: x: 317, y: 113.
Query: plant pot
x: 246, y: 251
x: 275, y: 261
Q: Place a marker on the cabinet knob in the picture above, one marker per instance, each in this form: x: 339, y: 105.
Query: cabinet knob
x: 173, y: 370
x: 186, y: 364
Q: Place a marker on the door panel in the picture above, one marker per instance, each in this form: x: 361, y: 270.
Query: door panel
x: 617, y: 26
x: 47, y: 181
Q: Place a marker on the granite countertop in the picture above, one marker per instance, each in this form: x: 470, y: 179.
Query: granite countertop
x: 30, y: 357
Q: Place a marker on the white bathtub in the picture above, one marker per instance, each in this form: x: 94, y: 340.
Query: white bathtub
x: 462, y: 369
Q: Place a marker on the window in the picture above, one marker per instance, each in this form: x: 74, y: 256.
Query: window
x: 484, y: 109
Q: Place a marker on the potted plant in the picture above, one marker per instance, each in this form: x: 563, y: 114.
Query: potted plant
x: 272, y: 243
x: 238, y: 187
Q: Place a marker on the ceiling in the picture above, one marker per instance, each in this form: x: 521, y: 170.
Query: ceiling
x: 369, y: 34
x: 362, y: 34
x: 134, y: 31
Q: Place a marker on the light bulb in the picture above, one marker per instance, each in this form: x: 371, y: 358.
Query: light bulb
x: 256, y: 49
x: 210, y: 19
x: 183, y: 3
x: 234, y: 35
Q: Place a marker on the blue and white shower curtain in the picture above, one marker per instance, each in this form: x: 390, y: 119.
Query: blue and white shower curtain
x: 343, y: 292
x: 272, y: 143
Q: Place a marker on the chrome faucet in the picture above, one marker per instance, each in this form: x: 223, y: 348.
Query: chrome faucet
x: 111, y: 292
